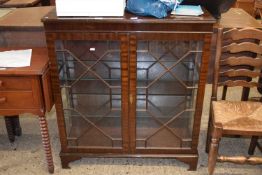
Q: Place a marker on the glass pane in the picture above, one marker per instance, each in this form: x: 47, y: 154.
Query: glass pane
x: 90, y: 81
x: 167, y: 76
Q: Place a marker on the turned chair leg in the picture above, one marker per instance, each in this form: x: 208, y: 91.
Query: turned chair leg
x: 252, y: 145
x: 208, y: 139
x: 213, y: 152
x: 10, y: 129
x: 46, y: 143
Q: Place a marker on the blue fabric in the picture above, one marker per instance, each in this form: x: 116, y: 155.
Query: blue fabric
x: 156, y: 8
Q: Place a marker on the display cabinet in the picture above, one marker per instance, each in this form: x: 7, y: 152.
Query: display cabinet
x: 129, y: 86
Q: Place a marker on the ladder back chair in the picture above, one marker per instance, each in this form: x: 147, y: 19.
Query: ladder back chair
x: 235, y: 69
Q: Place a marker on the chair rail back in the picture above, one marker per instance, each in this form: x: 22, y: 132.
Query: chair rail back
x: 238, y: 59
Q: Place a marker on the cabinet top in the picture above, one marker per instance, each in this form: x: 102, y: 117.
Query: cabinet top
x: 129, y: 22
x: 132, y: 18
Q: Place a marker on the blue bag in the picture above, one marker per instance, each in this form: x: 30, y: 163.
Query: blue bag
x: 156, y: 8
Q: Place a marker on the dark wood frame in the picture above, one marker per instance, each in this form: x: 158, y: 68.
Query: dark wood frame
x: 128, y: 31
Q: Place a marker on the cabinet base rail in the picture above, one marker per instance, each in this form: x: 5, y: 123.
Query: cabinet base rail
x: 190, y: 159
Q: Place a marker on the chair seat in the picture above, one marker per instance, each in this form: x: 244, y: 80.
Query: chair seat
x: 238, y: 115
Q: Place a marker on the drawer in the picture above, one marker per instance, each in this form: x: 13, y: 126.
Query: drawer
x: 18, y: 100
x: 8, y: 83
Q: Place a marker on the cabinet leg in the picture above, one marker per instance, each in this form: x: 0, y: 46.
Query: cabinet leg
x: 190, y: 160
x: 193, y: 165
x: 9, y: 129
x: 46, y: 143
x: 65, y: 160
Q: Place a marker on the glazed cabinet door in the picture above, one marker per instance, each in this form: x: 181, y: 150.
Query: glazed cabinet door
x: 165, y: 71
x: 93, y: 78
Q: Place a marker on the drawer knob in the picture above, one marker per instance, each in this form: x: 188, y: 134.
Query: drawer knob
x: 2, y: 99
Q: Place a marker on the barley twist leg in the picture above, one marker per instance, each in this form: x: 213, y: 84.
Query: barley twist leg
x: 46, y: 143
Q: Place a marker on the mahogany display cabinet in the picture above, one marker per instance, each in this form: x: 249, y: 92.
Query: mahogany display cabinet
x: 129, y: 86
